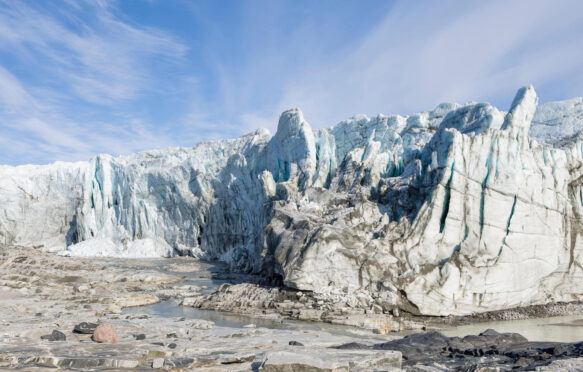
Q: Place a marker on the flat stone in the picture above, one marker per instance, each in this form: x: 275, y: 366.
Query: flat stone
x: 91, y: 362
x: 329, y: 360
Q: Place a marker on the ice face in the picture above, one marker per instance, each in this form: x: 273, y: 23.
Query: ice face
x: 456, y: 210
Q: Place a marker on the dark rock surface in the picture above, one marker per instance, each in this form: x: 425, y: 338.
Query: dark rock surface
x: 85, y: 328
x: 488, y: 349
x: 54, y: 336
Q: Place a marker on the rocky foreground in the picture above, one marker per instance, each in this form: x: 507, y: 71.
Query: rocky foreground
x: 50, y: 307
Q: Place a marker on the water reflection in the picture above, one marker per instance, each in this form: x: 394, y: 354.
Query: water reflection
x: 559, y: 329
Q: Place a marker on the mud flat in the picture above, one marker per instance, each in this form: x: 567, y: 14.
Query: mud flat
x: 266, y: 328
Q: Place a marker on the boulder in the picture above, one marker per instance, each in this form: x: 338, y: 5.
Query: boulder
x: 105, y: 333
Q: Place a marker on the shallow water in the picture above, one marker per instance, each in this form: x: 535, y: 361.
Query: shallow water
x: 174, y: 310
x: 559, y: 329
x: 209, y: 275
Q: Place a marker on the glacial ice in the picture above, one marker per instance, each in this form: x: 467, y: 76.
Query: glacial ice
x: 105, y: 247
x: 457, y: 210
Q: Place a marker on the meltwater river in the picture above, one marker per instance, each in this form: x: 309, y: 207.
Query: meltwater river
x: 208, y: 276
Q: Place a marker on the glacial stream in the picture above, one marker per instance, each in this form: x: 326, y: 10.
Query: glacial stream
x: 209, y: 275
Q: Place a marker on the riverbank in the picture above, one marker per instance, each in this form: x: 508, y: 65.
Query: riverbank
x: 41, y: 293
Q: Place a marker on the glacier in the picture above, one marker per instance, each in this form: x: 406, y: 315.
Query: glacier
x: 452, y: 211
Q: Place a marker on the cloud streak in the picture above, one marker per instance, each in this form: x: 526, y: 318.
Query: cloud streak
x: 417, y: 58
x: 77, y: 57
x: 79, y: 78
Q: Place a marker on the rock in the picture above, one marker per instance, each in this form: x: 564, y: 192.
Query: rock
x: 418, y: 346
x: 158, y: 363
x: 179, y: 362
x: 85, y: 363
x: 85, y: 328
x: 352, y: 346
x: 295, y: 343
x: 55, y: 336
x: 105, y: 333
x: 114, y: 309
x: 562, y: 365
x: 329, y: 360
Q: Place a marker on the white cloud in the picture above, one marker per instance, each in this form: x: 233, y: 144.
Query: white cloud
x: 12, y: 95
x: 422, y: 55
x: 87, y: 69
x: 101, y: 61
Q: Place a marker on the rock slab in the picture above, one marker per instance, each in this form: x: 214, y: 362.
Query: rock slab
x: 331, y: 360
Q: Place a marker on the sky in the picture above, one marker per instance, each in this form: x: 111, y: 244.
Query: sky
x: 80, y: 77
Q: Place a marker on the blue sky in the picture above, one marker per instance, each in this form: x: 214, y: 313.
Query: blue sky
x: 84, y: 77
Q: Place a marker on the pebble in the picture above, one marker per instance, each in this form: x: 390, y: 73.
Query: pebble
x: 158, y: 363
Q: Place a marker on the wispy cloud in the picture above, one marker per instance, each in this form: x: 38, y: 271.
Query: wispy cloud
x: 419, y: 56
x: 411, y: 58
x: 100, y: 58
x: 75, y: 57
x: 82, y: 77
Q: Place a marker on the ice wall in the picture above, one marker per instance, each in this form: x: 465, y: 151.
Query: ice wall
x: 456, y: 210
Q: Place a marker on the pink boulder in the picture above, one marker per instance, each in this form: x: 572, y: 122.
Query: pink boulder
x: 105, y: 333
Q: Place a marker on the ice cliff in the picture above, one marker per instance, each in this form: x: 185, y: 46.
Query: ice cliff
x: 456, y: 210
